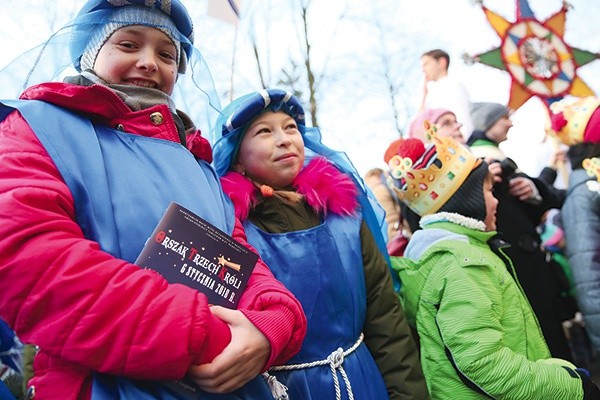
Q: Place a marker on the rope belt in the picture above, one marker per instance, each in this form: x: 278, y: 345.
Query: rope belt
x: 335, y: 360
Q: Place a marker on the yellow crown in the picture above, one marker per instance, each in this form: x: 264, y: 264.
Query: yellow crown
x: 592, y: 167
x: 428, y: 183
x: 577, y: 114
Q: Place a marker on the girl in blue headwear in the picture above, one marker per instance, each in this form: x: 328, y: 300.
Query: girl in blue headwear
x: 308, y: 215
x: 89, y: 165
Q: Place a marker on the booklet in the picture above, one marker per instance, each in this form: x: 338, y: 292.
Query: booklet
x: 184, y: 248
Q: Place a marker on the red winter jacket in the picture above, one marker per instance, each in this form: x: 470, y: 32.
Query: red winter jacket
x: 87, y: 310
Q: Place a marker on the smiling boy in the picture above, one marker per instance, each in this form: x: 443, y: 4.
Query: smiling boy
x: 89, y: 166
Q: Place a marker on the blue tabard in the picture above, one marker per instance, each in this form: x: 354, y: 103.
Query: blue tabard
x: 104, y: 166
x: 323, y: 267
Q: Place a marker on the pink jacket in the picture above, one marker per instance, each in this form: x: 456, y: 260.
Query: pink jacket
x: 87, y: 310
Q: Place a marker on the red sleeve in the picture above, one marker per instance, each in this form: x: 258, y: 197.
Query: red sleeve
x: 273, y: 309
x: 80, y: 304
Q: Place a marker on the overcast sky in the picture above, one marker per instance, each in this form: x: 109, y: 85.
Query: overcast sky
x: 457, y: 26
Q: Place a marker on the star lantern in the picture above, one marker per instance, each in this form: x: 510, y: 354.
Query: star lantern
x: 536, y: 56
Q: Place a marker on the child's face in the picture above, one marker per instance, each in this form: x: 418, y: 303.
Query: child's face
x: 491, y: 204
x: 272, y: 150
x: 140, y: 56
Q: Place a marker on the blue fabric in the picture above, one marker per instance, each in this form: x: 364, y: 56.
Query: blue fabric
x: 102, y: 166
x: 7, y: 336
x: 323, y: 268
x: 11, y: 348
x: 5, y: 393
x: 106, y: 387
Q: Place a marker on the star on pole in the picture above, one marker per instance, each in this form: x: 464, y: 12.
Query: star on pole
x: 534, y: 53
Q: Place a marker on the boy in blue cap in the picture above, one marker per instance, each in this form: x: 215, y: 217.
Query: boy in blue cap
x: 89, y: 166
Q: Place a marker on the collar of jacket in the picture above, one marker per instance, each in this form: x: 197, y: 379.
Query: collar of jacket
x: 325, y: 188
x: 102, y: 105
x: 478, y: 138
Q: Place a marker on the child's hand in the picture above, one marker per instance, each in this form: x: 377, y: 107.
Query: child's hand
x: 240, y: 361
x: 495, y: 169
x: 522, y: 188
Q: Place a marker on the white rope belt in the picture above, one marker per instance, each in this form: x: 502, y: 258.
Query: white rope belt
x: 335, y: 361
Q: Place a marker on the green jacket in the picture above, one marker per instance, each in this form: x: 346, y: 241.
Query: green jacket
x: 479, y: 336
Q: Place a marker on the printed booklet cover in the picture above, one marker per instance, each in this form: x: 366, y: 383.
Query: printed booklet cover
x: 184, y: 248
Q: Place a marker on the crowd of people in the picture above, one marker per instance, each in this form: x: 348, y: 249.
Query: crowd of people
x: 451, y: 294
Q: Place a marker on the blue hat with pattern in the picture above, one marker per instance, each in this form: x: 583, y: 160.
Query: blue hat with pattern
x: 99, y: 19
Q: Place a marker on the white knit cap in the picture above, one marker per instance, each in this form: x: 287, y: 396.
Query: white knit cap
x: 127, y: 16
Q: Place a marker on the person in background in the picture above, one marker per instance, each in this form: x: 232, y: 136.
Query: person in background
x: 89, y: 166
x: 444, y: 119
x: 376, y: 179
x: 446, y: 125
x: 523, y: 200
x: 479, y: 337
x: 398, y: 231
x: 491, y: 123
x: 307, y: 213
x: 441, y: 90
x: 577, y: 124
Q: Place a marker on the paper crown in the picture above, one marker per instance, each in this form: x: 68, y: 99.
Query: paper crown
x: 592, y: 167
x: 426, y: 177
x: 570, y: 119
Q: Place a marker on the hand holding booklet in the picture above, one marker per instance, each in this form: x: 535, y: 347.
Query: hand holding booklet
x: 186, y: 249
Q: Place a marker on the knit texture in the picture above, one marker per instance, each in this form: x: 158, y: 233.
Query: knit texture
x: 127, y: 16
x: 484, y: 115
x: 468, y: 200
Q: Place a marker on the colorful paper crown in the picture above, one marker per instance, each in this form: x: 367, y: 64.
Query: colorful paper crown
x: 592, y: 167
x: 570, y: 120
x: 426, y: 177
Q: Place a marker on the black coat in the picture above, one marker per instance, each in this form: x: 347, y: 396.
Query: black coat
x: 541, y: 278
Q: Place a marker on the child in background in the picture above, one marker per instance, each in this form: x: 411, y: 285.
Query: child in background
x: 89, y: 167
x: 306, y: 213
x: 576, y: 123
x: 479, y: 337
x: 376, y: 180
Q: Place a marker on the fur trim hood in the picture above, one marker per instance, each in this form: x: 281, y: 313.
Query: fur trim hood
x: 326, y: 189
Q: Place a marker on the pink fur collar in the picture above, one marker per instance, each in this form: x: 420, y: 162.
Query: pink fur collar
x: 325, y: 188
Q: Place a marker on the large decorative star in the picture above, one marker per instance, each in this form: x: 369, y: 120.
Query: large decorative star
x: 536, y: 56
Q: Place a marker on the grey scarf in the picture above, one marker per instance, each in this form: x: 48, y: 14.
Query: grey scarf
x: 138, y: 98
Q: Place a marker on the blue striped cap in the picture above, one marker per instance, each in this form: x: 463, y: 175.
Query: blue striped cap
x: 95, y: 14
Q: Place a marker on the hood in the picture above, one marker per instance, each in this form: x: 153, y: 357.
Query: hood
x: 414, y: 267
